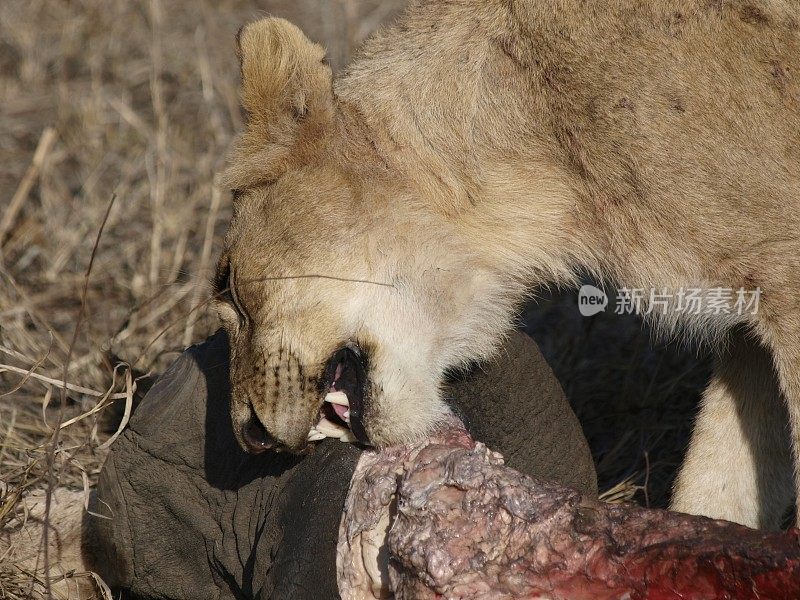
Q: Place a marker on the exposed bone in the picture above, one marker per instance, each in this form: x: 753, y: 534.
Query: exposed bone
x: 374, y: 553
x: 466, y: 526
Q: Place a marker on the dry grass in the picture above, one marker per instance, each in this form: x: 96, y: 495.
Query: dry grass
x: 138, y: 100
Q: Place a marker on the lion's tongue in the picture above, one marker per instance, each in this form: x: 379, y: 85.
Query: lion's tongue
x: 343, y: 412
x: 338, y: 400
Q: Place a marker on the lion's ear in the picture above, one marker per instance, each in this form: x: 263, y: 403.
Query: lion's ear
x: 283, y: 72
x: 287, y: 92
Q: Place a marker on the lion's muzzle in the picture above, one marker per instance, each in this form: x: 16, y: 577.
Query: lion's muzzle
x: 277, y: 405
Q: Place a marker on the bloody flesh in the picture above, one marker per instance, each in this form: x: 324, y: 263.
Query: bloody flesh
x: 463, y: 525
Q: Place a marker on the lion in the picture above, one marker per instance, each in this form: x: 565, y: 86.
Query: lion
x: 390, y: 221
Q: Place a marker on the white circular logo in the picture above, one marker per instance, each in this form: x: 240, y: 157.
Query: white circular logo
x: 591, y: 300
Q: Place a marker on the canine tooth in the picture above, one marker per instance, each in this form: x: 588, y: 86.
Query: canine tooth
x: 348, y: 436
x: 346, y: 415
x: 315, y: 436
x: 330, y: 429
x: 339, y: 398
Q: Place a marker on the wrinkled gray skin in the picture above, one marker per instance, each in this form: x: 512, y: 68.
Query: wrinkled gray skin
x: 194, y: 517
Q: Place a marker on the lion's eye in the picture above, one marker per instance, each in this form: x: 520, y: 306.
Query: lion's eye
x: 221, y: 285
x: 225, y: 292
x: 234, y: 299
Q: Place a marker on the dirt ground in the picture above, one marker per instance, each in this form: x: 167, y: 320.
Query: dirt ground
x: 128, y: 107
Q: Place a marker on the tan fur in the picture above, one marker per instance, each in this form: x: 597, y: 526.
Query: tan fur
x: 21, y: 545
x: 479, y: 148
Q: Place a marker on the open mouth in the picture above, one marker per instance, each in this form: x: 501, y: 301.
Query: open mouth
x: 343, y: 409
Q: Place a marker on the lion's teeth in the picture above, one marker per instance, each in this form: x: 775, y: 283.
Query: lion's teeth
x: 346, y: 415
x: 348, y: 436
x: 339, y: 398
x: 315, y: 436
x: 325, y: 428
x: 330, y: 429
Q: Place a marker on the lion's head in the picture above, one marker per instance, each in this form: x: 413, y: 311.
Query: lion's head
x: 333, y: 276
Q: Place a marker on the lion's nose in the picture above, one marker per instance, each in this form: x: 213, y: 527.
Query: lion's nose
x: 257, y: 438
